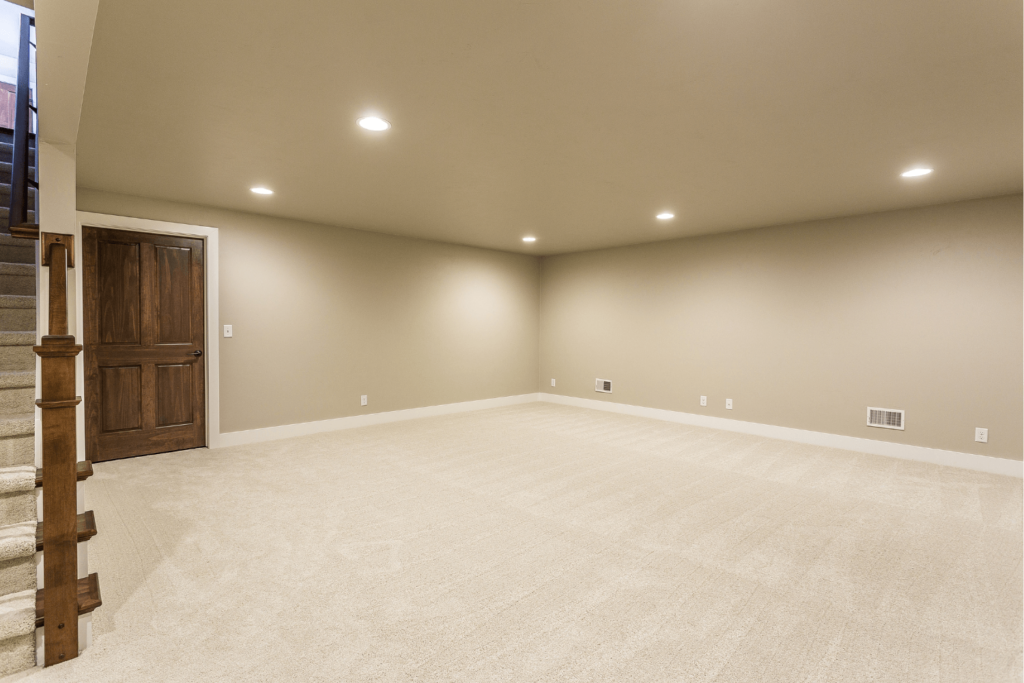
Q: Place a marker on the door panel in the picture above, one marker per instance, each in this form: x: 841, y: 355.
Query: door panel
x: 121, y: 396
x: 173, y: 395
x: 144, y: 335
x: 172, y: 285
x: 119, y: 293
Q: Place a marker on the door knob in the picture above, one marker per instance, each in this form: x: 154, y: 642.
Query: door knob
x: 197, y: 353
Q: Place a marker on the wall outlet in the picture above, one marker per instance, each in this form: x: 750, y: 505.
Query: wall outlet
x: 728, y: 404
x: 552, y: 381
x: 227, y: 331
x: 362, y: 400
x: 703, y: 400
x: 981, y: 434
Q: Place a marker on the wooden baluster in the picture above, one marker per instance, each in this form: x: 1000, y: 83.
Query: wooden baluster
x: 60, y: 506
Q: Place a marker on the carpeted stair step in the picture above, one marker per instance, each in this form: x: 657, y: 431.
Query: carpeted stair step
x: 19, y: 301
x: 18, y: 478
x: 6, y: 210
x: 15, y: 249
x: 7, y: 153
x: 17, y: 313
x: 18, y: 652
x: 17, y: 401
x: 5, y: 182
x: 16, y: 350
x: 85, y: 527
x: 17, y: 395
x: 5, y: 202
x: 17, y: 425
x: 18, y: 379
x: 5, y: 192
x: 17, y: 556
x: 18, y: 540
x: 83, y: 470
x: 18, y: 278
x: 17, y: 506
x: 17, y: 495
x: 7, y: 147
x: 18, y: 574
x: 17, y: 450
x: 88, y: 598
x: 17, y: 614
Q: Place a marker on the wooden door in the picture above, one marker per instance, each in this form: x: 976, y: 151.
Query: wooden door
x: 145, y: 372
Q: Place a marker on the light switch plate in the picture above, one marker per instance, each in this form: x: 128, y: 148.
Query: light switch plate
x: 728, y: 404
x: 227, y: 331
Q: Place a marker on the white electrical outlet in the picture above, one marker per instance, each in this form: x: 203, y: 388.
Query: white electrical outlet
x: 552, y: 381
x: 703, y: 400
x: 981, y: 434
x: 728, y: 404
x: 227, y: 331
x: 362, y: 400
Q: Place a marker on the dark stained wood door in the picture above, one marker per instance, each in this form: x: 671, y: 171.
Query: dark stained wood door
x: 145, y: 365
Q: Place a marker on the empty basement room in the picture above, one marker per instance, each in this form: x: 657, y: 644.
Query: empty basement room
x: 527, y: 342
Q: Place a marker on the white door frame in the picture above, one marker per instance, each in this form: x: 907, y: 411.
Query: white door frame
x: 211, y: 261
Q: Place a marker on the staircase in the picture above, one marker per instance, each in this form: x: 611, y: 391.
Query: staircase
x: 18, y: 520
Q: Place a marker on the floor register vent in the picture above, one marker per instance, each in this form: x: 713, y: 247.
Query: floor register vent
x: 603, y: 385
x: 883, y: 417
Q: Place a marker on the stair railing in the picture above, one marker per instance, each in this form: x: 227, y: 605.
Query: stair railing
x: 64, y: 596
x: 24, y: 111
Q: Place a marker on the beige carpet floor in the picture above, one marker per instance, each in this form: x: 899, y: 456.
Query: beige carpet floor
x: 547, y: 543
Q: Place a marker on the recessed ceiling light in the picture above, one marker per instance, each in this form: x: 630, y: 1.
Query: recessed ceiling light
x: 529, y: 239
x: 665, y: 215
x: 261, y: 190
x: 916, y: 172
x: 375, y: 123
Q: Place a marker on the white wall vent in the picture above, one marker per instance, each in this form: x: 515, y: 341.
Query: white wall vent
x: 884, y: 417
x: 603, y: 385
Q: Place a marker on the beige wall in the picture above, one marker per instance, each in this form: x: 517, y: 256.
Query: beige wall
x: 322, y: 315
x: 806, y: 325
x: 802, y: 326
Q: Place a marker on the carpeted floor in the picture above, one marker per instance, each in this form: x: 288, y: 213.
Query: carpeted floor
x: 547, y: 543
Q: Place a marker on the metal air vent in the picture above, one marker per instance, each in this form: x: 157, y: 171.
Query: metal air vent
x: 886, y: 418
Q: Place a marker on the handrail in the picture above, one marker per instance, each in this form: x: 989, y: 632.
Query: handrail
x: 57, y: 352
x: 17, y: 215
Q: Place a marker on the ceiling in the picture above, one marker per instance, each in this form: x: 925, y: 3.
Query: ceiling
x: 572, y: 121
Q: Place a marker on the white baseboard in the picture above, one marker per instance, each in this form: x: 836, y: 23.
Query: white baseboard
x: 968, y: 461
x: 306, y: 428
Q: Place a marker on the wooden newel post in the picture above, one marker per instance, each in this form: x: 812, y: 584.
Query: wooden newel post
x: 60, y: 505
